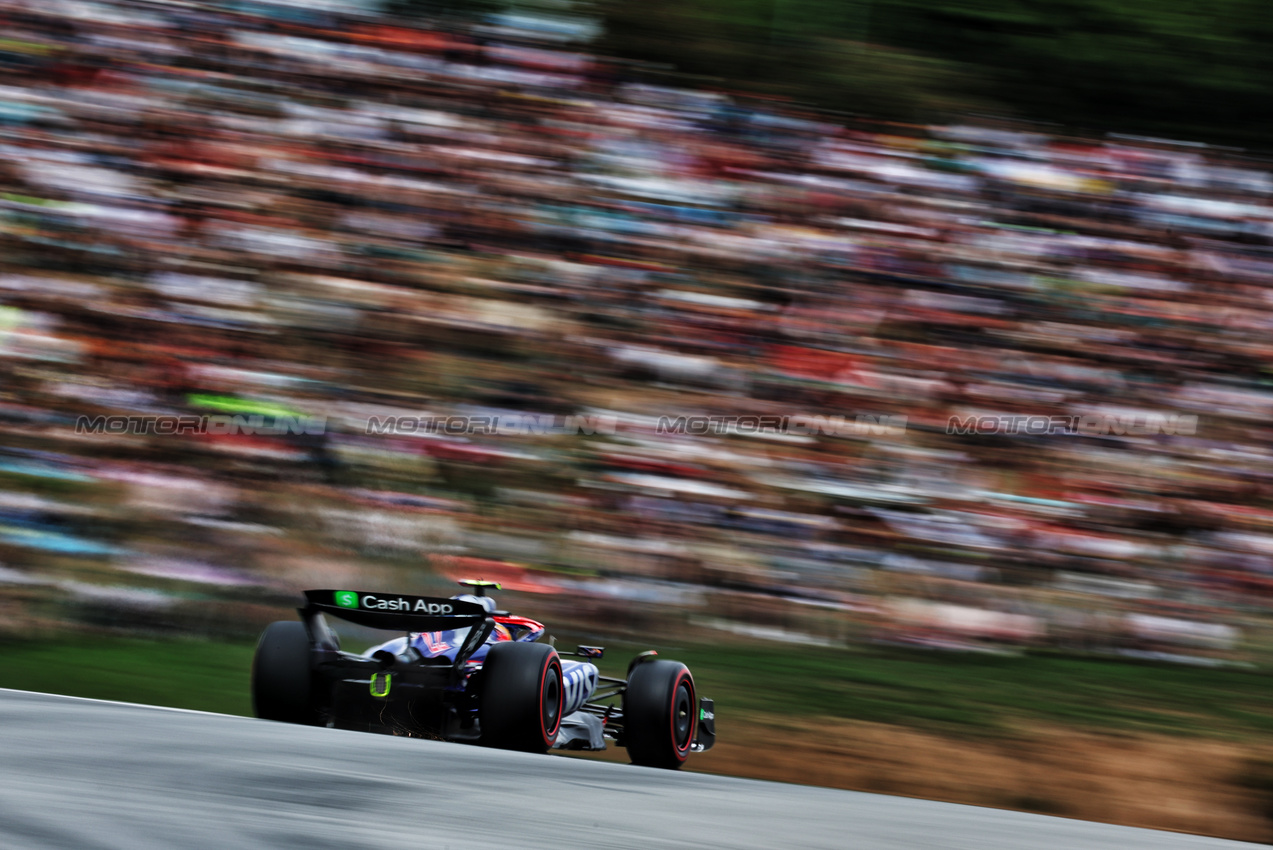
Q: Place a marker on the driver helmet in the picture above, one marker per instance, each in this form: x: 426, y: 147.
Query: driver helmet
x: 501, y: 631
x: 485, y: 601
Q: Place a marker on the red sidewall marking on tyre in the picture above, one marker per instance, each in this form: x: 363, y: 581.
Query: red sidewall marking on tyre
x: 682, y: 754
x: 550, y: 736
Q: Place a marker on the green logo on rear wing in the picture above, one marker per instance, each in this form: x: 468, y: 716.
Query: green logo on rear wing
x: 346, y: 598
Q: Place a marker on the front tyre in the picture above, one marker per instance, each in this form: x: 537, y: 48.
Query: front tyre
x: 659, y: 714
x: 521, y: 698
x: 281, y: 680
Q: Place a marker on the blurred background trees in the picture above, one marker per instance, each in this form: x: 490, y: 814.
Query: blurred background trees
x: 1166, y: 67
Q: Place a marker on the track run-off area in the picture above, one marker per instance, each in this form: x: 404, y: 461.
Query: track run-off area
x: 91, y: 775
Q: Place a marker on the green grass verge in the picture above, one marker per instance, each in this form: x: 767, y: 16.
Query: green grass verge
x: 983, y: 695
x: 977, y: 694
x: 180, y: 673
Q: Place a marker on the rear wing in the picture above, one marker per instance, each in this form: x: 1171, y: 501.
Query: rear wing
x: 396, y: 612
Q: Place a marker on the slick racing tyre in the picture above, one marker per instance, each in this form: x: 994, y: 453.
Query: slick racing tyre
x: 281, y: 680
x: 521, y: 698
x: 659, y: 714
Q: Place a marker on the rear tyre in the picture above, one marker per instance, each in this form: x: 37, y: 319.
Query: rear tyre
x: 282, y: 685
x: 521, y: 699
x: 659, y: 714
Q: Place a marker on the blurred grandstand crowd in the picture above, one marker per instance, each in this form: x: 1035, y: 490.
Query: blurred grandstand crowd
x: 254, y: 206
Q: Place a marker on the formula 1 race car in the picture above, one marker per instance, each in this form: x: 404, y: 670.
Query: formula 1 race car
x: 465, y: 671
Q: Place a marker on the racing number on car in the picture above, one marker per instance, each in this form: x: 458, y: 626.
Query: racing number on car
x: 578, y: 687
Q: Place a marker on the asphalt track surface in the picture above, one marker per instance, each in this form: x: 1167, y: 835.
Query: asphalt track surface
x: 89, y: 775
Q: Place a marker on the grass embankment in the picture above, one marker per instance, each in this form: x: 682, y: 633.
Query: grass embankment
x: 984, y: 694
x: 179, y: 673
x: 979, y: 695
